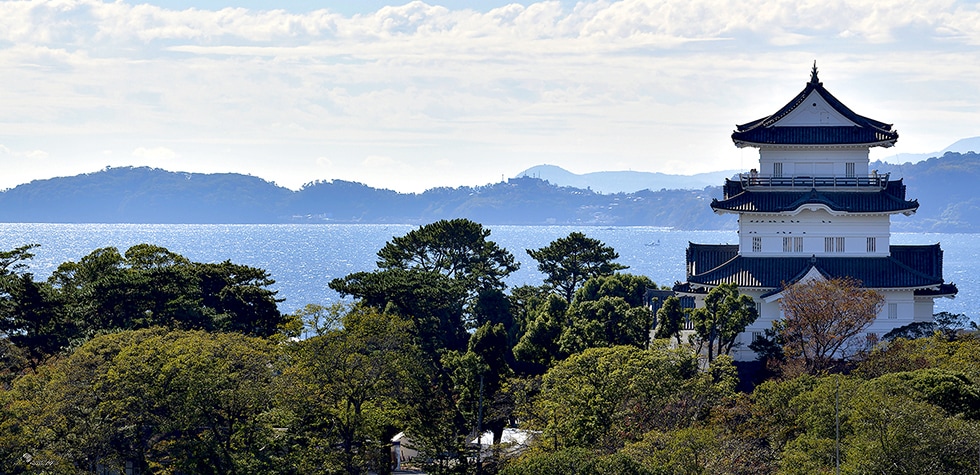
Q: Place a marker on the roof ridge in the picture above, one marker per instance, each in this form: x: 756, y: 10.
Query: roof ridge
x: 870, y: 131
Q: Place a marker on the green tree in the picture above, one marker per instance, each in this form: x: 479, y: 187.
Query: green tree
x: 670, y: 319
x: 915, y: 422
x: 433, y: 301
x: 538, y: 346
x: 606, y: 311
x: 445, y: 275
x: 183, y: 401
x: 97, y: 291
x: 576, y: 460
x: 900, y: 423
x: 608, y: 321
x: 478, y: 377
x: 31, y: 322
x: 629, y: 287
x: 456, y: 248
x: 950, y: 323
x: 570, y: 261
x: 349, y: 390
x: 195, y: 402
x: 603, y: 398
x: 15, y: 260
x: 150, y: 285
x: 240, y: 298
x: 318, y: 319
x: 31, y: 318
x: 725, y: 314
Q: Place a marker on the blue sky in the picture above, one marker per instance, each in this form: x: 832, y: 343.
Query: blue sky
x: 409, y: 96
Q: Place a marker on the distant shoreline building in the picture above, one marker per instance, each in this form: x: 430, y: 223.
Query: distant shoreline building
x: 813, y: 210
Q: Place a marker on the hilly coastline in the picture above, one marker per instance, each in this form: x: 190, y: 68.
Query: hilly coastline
x: 943, y: 185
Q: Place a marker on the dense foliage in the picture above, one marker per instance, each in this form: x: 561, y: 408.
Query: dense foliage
x: 146, y: 360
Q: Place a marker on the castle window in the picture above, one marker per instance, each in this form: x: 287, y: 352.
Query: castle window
x: 792, y: 244
x: 777, y: 169
x: 849, y: 169
x: 871, y: 244
x: 893, y: 310
x: 833, y: 244
x: 756, y: 244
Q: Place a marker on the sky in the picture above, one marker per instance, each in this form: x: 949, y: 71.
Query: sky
x: 411, y: 96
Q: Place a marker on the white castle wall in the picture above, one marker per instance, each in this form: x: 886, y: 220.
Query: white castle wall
x: 812, y: 227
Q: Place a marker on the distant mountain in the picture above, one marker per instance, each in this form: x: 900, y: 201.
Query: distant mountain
x: 960, y: 146
x: 945, y: 186
x: 147, y: 195
x: 625, y: 181
x: 946, y: 190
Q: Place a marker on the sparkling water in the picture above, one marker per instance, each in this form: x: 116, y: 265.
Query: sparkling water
x: 303, y: 259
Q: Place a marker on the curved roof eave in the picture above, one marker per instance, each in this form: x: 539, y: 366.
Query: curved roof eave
x: 748, y: 143
x: 884, y: 130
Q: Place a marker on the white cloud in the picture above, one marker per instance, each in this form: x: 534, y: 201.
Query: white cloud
x: 28, y: 154
x: 36, y: 154
x: 591, y: 84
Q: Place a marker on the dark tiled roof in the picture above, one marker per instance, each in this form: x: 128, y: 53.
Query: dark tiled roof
x: 867, y: 131
x: 890, y: 199
x: 703, y: 257
x: 927, y: 259
x: 814, y: 135
x: 908, y: 266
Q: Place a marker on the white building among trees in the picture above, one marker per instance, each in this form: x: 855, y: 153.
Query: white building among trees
x: 813, y: 209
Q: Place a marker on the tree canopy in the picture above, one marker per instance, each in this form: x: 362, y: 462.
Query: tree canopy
x: 457, y: 249
x: 725, y: 314
x: 570, y: 261
x: 145, y: 287
x: 146, y: 360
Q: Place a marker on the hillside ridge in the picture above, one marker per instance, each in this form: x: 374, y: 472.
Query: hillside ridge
x: 942, y: 185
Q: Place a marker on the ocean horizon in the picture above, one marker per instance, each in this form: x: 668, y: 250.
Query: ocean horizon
x: 304, y: 258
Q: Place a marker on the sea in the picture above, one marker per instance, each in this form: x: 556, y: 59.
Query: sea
x: 304, y: 258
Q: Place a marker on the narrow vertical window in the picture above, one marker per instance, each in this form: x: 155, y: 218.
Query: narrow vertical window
x: 756, y: 244
x: 849, y: 169
x: 871, y: 244
x: 787, y: 244
x: 840, y: 244
x: 893, y: 310
x: 798, y: 244
x: 828, y: 244
x: 777, y: 169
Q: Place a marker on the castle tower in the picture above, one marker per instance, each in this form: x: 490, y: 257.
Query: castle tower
x: 813, y: 210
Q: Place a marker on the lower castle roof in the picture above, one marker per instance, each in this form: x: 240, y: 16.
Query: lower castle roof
x: 890, y: 199
x: 917, y: 267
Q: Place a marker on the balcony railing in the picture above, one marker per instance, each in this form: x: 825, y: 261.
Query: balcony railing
x: 753, y: 180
